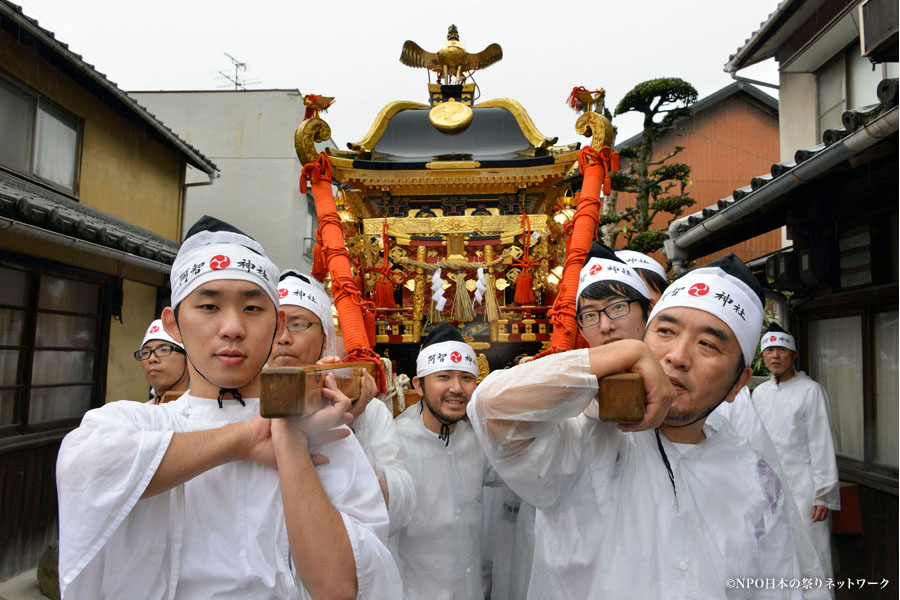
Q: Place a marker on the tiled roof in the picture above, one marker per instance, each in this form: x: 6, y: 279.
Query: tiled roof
x: 853, y: 121
x: 33, y: 205
x: 75, y: 66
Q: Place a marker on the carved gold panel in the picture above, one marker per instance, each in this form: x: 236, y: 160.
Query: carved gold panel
x: 451, y: 225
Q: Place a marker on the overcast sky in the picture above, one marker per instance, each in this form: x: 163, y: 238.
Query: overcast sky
x: 350, y: 49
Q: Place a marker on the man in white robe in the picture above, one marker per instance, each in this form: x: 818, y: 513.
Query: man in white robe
x: 163, y: 362
x: 309, y: 337
x: 795, y: 411
x: 201, y: 497
x: 439, y: 549
x: 613, y: 302
x: 687, y: 510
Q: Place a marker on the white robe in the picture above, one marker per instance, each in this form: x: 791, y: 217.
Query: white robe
x: 221, y: 534
x: 439, y: 550
x: 608, y: 524
x: 377, y: 434
x: 507, y: 543
x: 796, y: 415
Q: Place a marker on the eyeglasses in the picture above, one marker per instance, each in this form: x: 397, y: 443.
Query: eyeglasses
x: 160, y: 352
x: 298, y: 325
x: 616, y: 310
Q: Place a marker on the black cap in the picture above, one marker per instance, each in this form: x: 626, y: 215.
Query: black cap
x: 776, y: 328
x: 443, y: 332
x: 292, y: 273
x: 601, y: 250
x: 208, y: 224
x: 735, y: 267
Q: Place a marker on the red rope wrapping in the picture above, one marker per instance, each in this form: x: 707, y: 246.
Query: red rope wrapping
x: 353, y: 309
x: 384, y: 288
x: 525, y: 281
x: 584, y: 228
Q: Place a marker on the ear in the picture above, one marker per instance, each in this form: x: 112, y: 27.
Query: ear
x: 282, y: 321
x: 741, y: 382
x: 171, y: 325
x: 417, y: 385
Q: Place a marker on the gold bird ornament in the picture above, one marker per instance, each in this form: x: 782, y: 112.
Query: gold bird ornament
x: 450, y: 61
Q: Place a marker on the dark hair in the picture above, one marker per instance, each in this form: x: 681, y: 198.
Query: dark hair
x: 600, y: 290
x: 653, y: 279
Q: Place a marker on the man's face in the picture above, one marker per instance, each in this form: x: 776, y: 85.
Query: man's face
x: 700, y: 355
x: 163, y: 373
x: 779, y: 360
x: 446, y: 393
x: 302, y: 346
x: 629, y: 327
x: 226, y: 327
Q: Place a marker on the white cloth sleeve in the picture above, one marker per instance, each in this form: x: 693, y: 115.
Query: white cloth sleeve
x: 102, y: 470
x: 350, y: 484
x: 823, y: 462
x: 377, y: 434
x: 523, y: 419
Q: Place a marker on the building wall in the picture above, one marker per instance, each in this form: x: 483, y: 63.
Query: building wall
x: 124, y: 171
x: 250, y: 137
x: 797, y: 112
x: 726, y: 147
x: 125, y: 377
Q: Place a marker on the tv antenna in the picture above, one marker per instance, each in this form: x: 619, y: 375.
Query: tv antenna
x: 239, y: 82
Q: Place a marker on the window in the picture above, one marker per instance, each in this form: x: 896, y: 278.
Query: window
x: 835, y: 361
x: 853, y: 352
x: 38, y: 137
x: 50, y: 347
x: 312, y: 222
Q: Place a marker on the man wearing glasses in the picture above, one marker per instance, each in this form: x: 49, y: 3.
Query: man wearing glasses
x: 163, y: 361
x: 613, y: 301
x: 307, y: 312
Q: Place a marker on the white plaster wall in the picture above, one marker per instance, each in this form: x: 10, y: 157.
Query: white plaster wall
x: 796, y: 112
x: 249, y: 135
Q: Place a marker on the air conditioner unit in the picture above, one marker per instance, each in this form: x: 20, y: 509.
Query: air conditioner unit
x: 783, y: 272
x: 878, y: 30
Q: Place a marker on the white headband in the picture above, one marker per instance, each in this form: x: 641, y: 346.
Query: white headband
x: 211, y: 256
x: 313, y: 297
x: 641, y: 261
x: 781, y: 339
x: 722, y: 295
x: 446, y: 356
x: 156, y: 331
x: 605, y: 269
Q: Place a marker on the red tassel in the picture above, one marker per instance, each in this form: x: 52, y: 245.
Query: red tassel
x: 614, y: 162
x: 573, y: 102
x: 384, y: 294
x: 524, y: 289
x: 369, y: 320
x: 319, y: 268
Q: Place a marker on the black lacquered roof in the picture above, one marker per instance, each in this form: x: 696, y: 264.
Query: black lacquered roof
x: 494, y: 138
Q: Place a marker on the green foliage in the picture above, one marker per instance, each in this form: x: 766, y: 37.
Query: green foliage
x: 650, y: 95
x: 659, y: 186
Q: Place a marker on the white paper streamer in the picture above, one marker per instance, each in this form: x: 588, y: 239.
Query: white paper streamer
x: 480, y: 287
x: 437, y: 290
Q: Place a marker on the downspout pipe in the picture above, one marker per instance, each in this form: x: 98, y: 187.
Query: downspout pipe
x: 879, y: 129
x: 67, y: 241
